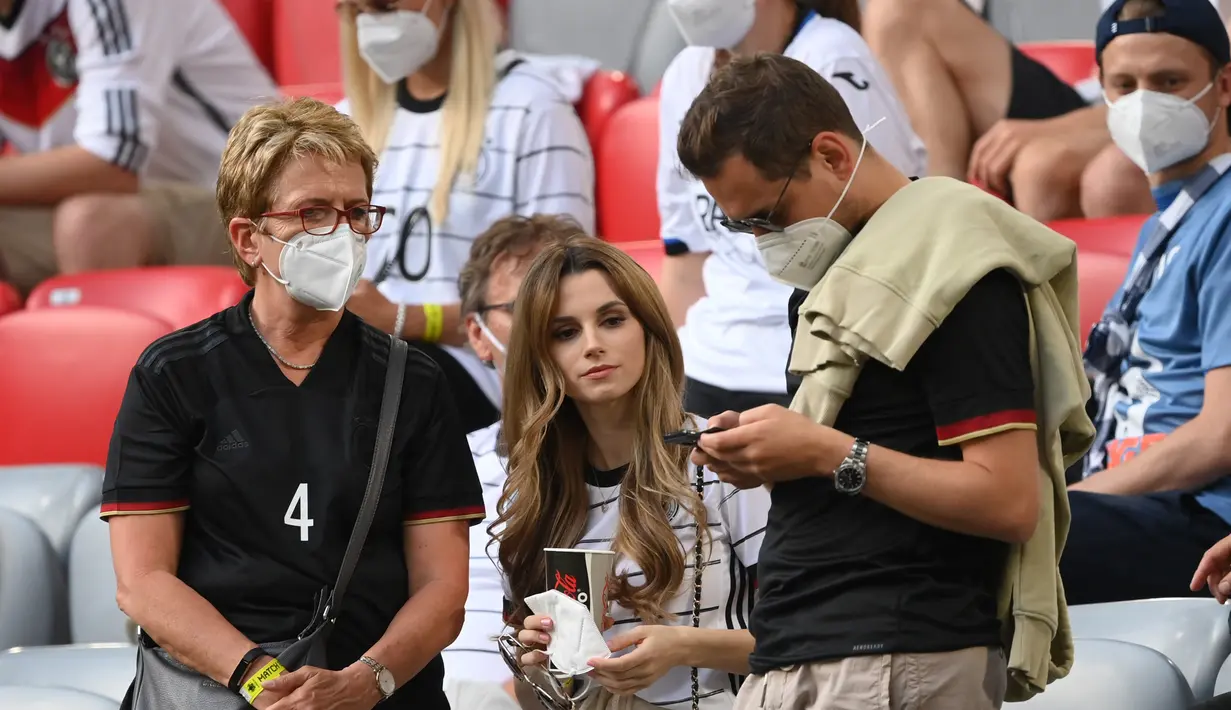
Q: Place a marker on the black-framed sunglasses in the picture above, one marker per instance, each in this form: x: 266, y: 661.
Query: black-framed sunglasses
x: 507, y: 307
x: 751, y: 225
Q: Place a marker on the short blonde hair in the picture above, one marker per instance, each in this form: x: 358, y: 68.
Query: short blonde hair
x: 266, y: 139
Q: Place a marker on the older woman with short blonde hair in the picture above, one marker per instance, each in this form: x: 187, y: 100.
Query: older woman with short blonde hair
x: 244, y: 443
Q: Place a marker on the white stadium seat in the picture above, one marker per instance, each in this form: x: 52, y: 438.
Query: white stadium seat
x: 27, y: 698
x: 32, y: 597
x: 92, y: 611
x: 54, y: 496
x: 1114, y: 675
x: 103, y: 670
x: 1193, y: 633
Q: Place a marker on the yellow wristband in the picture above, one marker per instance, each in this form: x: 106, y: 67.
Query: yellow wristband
x: 255, y: 685
x: 434, y: 322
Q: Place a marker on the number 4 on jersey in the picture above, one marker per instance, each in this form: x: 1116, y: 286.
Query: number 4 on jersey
x: 297, y: 512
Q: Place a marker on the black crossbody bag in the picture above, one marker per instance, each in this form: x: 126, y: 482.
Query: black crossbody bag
x: 163, y: 683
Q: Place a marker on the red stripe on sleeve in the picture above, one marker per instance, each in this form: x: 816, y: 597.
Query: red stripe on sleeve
x: 121, y: 508
x: 467, y: 512
x: 974, y: 425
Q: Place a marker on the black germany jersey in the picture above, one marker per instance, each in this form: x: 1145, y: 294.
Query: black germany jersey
x: 844, y: 575
x: 271, y: 475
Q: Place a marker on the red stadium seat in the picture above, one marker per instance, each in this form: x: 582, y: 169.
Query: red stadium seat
x: 648, y: 253
x: 254, y: 18
x: 328, y: 93
x: 179, y: 295
x: 1098, y: 277
x: 627, y: 165
x: 305, y: 42
x: 1072, y: 61
x: 1113, y: 235
x: 605, y: 92
x: 63, y: 374
x: 10, y: 300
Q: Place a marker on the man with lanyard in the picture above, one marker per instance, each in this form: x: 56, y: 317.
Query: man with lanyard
x: 1156, y: 493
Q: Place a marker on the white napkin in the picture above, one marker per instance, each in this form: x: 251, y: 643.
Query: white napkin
x: 575, y: 638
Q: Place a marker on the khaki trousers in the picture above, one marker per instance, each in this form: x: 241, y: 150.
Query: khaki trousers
x: 600, y: 699
x: 184, y: 219
x: 970, y: 679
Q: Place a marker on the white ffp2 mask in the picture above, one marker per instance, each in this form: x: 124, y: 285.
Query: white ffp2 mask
x: 397, y: 44
x: 721, y: 24
x: 491, y: 338
x: 800, y: 254
x: 321, y: 271
x: 575, y: 638
x: 1156, y: 130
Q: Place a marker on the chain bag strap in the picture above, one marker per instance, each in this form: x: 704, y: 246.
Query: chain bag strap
x: 698, y: 564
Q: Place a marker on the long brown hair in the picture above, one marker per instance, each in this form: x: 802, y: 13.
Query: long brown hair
x: 545, y: 500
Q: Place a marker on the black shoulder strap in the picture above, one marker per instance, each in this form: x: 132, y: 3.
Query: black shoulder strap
x: 389, y: 403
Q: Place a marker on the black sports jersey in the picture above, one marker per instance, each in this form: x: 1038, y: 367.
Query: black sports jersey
x: 843, y: 575
x: 271, y: 476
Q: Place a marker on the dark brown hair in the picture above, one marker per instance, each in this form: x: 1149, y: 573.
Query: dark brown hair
x: 515, y: 237
x: 768, y: 108
x: 846, y: 11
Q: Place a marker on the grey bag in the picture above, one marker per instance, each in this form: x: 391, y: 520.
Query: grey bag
x: 163, y: 683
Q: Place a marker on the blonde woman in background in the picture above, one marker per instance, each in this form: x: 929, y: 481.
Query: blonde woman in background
x: 466, y: 136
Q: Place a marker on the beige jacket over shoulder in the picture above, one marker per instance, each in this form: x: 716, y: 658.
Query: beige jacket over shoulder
x: 911, y: 264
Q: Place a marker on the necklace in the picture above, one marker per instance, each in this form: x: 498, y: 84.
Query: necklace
x: 273, y: 352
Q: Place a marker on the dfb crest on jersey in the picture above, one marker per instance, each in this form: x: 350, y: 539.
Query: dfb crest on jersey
x: 61, y: 59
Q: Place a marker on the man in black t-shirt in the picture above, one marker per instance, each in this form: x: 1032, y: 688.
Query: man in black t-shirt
x: 889, y: 532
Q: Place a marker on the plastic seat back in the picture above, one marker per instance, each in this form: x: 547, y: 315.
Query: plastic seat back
x: 1115, y: 674
x: 1193, y: 633
x: 179, y: 295
x: 31, y: 698
x: 1072, y: 61
x: 10, y: 300
x: 54, y: 496
x: 648, y: 253
x: 63, y: 372
x: 1114, y: 235
x: 253, y: 17
x: 32, y: 599
x: 93, y: 614
x: 105, y: 670
x: 306, y: 44
x: 626, y: 164
x: 327, y: 92
x: 605, y: 92
x: 1098, y: 277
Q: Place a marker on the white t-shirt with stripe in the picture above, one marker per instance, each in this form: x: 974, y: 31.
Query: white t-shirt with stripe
x: 149, y: 85
x: 728, y: 586
x: 536, y: 160
x: 736, y: 336
x: 473, y: 655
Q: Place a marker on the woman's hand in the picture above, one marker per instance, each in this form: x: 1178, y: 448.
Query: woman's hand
x: 658, y: 650
x: 1215, y: 571
x: 533, y: 635
x: 353, y: 688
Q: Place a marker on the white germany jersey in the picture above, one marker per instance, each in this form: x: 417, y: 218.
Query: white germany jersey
x: 737, y: 337
x: 152, y: 86
x: 536, y: 160
x: 473, y: 655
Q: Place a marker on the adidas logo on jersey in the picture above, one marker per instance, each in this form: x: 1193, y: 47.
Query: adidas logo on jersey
x: 232, y: 442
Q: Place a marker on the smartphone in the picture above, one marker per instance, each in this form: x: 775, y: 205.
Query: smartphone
x: 688, y: 437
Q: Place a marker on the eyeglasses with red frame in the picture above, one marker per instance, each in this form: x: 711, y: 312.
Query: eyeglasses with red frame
x: 321, y: 220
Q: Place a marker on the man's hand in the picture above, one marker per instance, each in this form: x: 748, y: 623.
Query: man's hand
x: 994, y: 153
x: 1214, y: 571
x: 371, y: 305
x: 353, y: 688
x: 770, y: 444
x: 657, y: 650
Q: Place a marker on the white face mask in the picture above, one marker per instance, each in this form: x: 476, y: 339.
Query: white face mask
x: 1156, y: 130
x: 713, y: 23
x: 321, y: 271
x: 801, y: 254
x: 491, y: 338
x: 397, y: 44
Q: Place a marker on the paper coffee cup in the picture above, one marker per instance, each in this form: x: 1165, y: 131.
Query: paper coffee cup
x: 583, y: 575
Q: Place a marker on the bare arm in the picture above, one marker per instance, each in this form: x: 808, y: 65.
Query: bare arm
x: 145, y: 550
x: 49, y: 177
x: 1188, y: 459
x: 379, y: 312
x: 437, y: 556
x: 681, y: 284
x: 726, y: 650
x: 1091, y: 118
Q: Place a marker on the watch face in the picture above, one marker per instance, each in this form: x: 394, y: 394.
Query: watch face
x: 849, y: 478
x: 387, y: 684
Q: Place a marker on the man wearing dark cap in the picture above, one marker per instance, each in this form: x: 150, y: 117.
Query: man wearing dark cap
x: 1157, y: 492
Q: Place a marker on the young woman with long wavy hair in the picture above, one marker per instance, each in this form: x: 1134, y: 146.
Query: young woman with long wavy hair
x: 594, y: 379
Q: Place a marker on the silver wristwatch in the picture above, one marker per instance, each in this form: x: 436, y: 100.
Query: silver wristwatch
x: 852, y: 473
x: 384, y: 679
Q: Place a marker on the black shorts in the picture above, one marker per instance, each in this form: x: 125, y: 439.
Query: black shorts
x: 1037, y: 93
x: 707, y: 400
x: 474, y: 410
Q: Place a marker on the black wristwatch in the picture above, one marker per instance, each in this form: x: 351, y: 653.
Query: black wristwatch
x: 851, y: 475
x: 237, y: 676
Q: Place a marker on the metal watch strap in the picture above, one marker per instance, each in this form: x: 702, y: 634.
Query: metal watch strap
x: 377, y: 668
x: 859, y: 452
